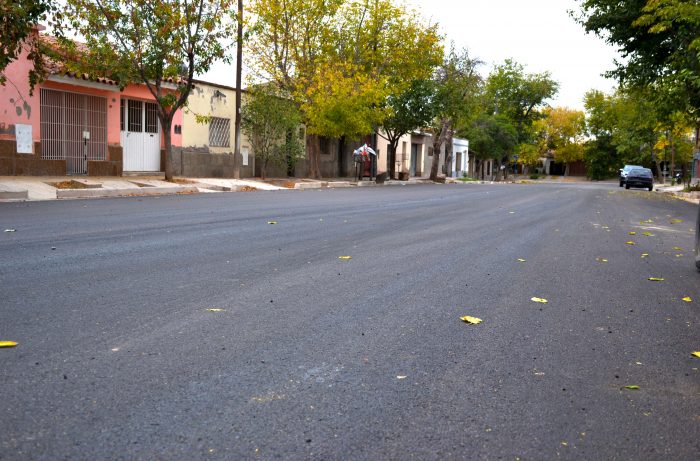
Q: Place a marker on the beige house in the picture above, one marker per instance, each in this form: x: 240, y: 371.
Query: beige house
x: 209, y: 136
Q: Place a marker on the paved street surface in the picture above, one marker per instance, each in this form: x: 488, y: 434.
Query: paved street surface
x: 315, y: 357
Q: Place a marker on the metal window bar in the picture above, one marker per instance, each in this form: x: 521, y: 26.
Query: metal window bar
x: 220, y: 132
x: 64, y: 117
x: 151, y: 118
x: 135, y: 116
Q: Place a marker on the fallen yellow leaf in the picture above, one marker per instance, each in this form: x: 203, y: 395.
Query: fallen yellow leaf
x: 633, y: 233
x: 645, y: 255
x: 216, y: 310
x: 676, y: 221
x: 688, y: 299
x: 539, y: 300
x: 695, y: 354
x: 678, y: 248
x: 630, y: 243
x: 272, y: 222
x: 648, y: 234
x: 7, y: 344
x: 345, y: 257
x: 401, y: 377
x: 633, y: 387
x: 656, y: 279
x: 601, y: 260
x: 521, y: 260
x: 471, y: 320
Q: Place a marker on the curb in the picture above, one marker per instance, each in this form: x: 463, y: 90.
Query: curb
x: 14, y: 194
x: 141, y: 191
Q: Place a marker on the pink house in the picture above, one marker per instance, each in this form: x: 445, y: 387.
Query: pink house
x: 78, y: 125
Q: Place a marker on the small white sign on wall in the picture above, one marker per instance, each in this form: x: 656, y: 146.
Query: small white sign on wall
x: 23, y: 135
x: 244, y: 151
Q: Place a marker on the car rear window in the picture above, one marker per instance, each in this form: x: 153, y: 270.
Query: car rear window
x: 644, y: 173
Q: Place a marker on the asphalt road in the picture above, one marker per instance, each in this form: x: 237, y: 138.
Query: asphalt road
x: 315, y: 357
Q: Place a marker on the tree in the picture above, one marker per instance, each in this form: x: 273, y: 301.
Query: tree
x: 19, y: 18
x: 271, y: 124
x: 492, y: 136
x: 409, y: 110
x: 457, y: 86
x: 600, y: 154
x: 659, y: 41
x: 518, y: 96
x: 159, y: 43
x: 340, y: 60
x: 563, y: 131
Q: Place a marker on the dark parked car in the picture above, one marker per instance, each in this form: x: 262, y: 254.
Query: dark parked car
x: 624, y: 171
x: 640, y: 177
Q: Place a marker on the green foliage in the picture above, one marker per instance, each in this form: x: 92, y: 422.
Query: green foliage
x: 18, y: 20
x: 659, y: 41
x: 341, y: 60
x: 562, y: 132
x: 492, y: 136
x: 271, y: 124
x: 528, y: 154
x: 602, y: 159
x: 518, y: 96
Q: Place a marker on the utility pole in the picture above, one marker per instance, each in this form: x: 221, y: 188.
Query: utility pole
x: 239, y: 70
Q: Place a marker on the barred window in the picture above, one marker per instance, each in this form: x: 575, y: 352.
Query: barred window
x: 220, y: 132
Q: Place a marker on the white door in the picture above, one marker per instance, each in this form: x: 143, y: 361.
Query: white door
x: 140, y: 135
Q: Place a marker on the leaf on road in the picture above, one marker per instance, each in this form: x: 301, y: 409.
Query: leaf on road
x: 601, y: 260
x: 272, y: 222
x: 648, y: 221
x: 216, y: 310
x: 656, y: 279
x: 688, y: 299
x: 10, y: 230
x: 521, y: 260
x: 695, y: 354
x: 676, y: 221
x: 645, y: 255
x: 7, y: 344
x: 648, y: 234
x: 633, y: 233
x: 539, y: 300
x: 401, y: 377
x: 471, y: 320
x: 345, y: 258
x: 633, y: 387
x: 606, y: 227
x: 678, y: 248
x: 679, y: 255
x: 630, y: 243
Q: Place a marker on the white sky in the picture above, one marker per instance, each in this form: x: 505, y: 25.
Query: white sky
x: 539, y: 34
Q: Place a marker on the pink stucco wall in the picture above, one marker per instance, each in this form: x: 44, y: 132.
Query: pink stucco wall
x: 18, y: 106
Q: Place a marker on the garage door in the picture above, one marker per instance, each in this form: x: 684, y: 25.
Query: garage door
x: 73, y: 128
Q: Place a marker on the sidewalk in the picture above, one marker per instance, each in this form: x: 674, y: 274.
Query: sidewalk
x: 21, y: 188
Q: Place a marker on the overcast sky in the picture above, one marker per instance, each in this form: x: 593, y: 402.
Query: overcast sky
x: 539, y: 34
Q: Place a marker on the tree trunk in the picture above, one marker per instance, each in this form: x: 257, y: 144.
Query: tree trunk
x: 313, y: 149
x: 263, y: 169
x: 673, y: 157
x: 448, y: 151
x: 391, y: 158
x: 167, y: 138
x: 566, y: 169
x: 437, y: 144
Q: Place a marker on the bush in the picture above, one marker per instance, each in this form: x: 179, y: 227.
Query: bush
x: 535, y: 176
